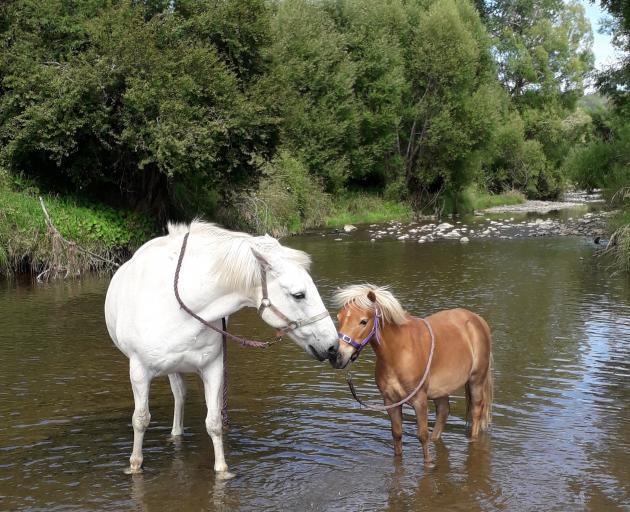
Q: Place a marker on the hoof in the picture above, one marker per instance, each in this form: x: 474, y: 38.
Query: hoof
x: 224, y: 475
x: 429, y: 465
x: 133, y: 471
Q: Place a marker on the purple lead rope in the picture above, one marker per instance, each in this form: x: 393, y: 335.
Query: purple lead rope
x: 383, y: 408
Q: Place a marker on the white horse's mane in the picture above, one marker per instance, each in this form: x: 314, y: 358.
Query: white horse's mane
x: 357, y: 295
x: 234, y: 260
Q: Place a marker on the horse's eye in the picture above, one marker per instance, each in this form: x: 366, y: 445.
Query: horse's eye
x: 363, y: 322
x: 298, y: 295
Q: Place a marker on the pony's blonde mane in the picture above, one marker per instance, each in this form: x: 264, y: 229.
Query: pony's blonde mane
x: 357, y: 295
x: 233, y: 260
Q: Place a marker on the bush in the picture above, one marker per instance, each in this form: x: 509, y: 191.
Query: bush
x: 288, y: 200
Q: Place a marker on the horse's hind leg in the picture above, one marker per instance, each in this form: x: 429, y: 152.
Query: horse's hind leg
x: 178, y: 387
x: 213, y: 390
x: 395, y: 416
x: 140, y: 383
x: 442, y: 410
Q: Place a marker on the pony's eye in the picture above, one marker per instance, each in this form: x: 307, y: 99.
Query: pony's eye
x: 363, y: 322
x: 298, y: 295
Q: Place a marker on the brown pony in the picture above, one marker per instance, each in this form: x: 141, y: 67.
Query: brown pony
x: 405, y: 360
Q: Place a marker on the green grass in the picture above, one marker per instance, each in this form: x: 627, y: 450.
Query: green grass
x: 481, y: 200
x: 364, y: 208
x: 26, y: 244
x: 619, y: 225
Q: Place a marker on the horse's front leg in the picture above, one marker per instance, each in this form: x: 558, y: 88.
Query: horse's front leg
x: 178, y: 387
x: 395, y: 416
x: 420, y: 404
x: 212, y: 377
x: 140, y: 383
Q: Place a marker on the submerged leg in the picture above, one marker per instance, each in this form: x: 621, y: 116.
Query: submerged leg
x: 140, y: 383
x: 442, y: 410
x: 395, y: 416
x: 421, y: 407
x: 213, y: 390
x: 178, y: 387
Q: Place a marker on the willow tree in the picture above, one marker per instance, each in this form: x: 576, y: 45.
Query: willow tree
x: 454, y: 102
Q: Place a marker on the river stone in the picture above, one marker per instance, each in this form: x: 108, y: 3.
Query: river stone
x: 349, y: 228
x: 445, y: 225
x: 464, y: 240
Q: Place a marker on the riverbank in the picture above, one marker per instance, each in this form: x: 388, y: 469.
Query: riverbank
x: 80, y: 238
x: 578, y: 216
x: 28, y: 244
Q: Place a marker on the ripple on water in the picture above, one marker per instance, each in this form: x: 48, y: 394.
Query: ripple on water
x: 297, y: 440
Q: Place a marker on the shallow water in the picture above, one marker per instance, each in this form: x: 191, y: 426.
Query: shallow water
x: 297, y: 441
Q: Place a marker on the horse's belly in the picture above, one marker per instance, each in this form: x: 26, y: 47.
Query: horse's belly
x: 444, y: 385
x: 181, y: 355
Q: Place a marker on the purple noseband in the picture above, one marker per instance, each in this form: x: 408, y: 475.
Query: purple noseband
x: 359, y: 345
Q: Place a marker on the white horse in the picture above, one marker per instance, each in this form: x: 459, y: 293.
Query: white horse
x: 221, y: 272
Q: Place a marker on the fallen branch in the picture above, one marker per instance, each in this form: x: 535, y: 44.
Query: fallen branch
x: 69, y: 243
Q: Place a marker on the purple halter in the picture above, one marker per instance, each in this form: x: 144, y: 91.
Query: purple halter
x: 359, y: 346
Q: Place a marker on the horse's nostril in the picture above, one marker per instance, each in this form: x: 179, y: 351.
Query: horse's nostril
x: 332, y: 351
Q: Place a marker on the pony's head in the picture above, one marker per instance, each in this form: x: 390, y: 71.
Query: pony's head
x: 364, y: 309
x: 289, y: 301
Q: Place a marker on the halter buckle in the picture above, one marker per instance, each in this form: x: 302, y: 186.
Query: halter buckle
x: 265, y: 303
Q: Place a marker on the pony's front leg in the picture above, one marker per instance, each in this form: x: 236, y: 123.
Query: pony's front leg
x: 420, y: 404
x: 213, y: 389
x: 395, y: 416
x: 140, y: 383
x: 178, y: 387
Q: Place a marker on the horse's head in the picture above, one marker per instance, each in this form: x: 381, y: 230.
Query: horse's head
x: 289, y: 301
x: 357, y: 326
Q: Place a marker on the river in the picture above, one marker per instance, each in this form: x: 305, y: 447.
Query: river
x: 297, y: 441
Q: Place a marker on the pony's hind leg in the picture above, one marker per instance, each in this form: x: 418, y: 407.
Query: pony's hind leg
x: 395, y: 416
x: 140, y: 383
x: 213, y: 390
x: 442, y: 409
x: 178, y: 387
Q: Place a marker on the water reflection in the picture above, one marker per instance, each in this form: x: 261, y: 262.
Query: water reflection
x: 297, y: 441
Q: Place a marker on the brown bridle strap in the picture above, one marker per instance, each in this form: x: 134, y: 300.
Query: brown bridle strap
x: 265, y: 303
x: 243, y: 341
x: 383, y: 408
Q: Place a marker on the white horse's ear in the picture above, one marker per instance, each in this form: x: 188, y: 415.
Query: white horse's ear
x: 261, y: 259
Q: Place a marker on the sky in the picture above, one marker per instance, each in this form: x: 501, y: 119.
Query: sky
x: 602, y: 45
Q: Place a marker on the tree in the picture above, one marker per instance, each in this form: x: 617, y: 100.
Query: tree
x: 453, y: 100
x: 542, y: 49
x: 106, y: 99
x: 315, y: 77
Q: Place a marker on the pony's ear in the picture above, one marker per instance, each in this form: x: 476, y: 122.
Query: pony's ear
x: 261, y: 259
x: 371, y: 296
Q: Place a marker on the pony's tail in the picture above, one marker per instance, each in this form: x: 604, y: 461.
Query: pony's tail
x: 486, y: 407
x: 486, y: 401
